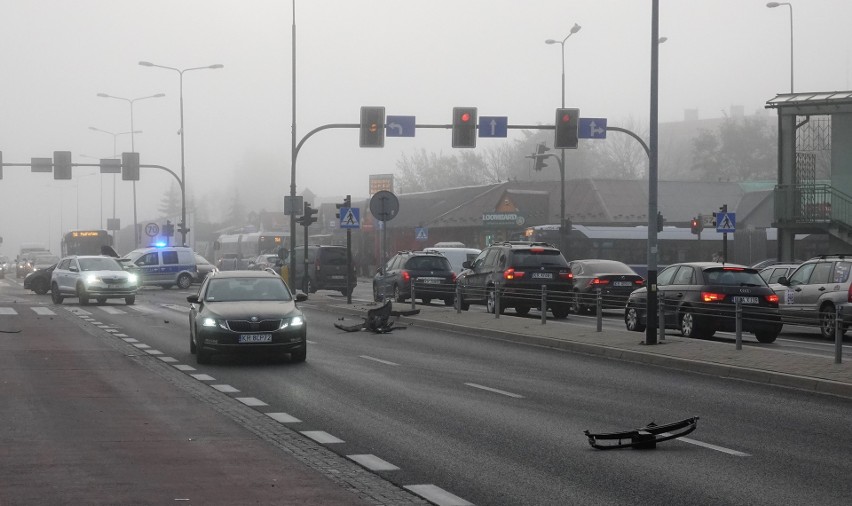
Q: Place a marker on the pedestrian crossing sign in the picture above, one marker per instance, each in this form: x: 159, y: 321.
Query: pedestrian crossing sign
x: 421, y: 233
x: 350, y: 217
x: 726, y: 223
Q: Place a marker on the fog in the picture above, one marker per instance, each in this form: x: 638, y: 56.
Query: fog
x: 414, y: 58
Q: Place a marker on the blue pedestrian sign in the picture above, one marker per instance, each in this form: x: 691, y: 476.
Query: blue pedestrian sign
x: 421, y: 233
x: 726, y: 223
x: 591, y: 128
x: 493, y: 126
x: 350, y: 217
x: 399, y: 126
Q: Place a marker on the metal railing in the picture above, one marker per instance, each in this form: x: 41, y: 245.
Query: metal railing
x: 812, y: 204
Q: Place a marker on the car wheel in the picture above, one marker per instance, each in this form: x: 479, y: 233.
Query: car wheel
x: 522, y: 310
x: 427, y: 300
x: 81, y: 294
x: 632, y: 319
x: 827, y: 317
x: 767, y: 336
x: 490, y: 300
x: 184, y: 281
x: 397, y: 294
x: 40, y: 287
x: 55, y: 296
x: 299, y: 356
x: 130, y: 300
x: 102, y: 300
x: 560, y: 311
x: 691, y: 325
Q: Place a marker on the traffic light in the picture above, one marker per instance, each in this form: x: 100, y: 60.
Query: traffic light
x: 464, y: 127
x: 308, y: 217
x: 347, y: 202
x: 168, y: 228
x: 130, y: 166
x: 372, y: 127
x: 61, y: 165
x: 567, y: 122
x: 660, y: 221
x: 696, y: 226
x: 539, y: 156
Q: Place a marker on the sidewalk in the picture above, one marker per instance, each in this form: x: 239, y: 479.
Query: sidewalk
x: 763, y: 363
x: 89, y: 419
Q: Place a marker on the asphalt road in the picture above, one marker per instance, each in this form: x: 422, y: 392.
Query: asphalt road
x: 493, y: 422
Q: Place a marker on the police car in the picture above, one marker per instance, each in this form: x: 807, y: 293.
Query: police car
x: 164, y: 266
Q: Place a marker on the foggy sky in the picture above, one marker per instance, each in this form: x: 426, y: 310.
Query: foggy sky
x: 415, y: 58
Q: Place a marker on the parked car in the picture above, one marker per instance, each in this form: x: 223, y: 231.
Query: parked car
x: 430, y: 272
x: 39, y: 280
x: 813, y: 292
x: 87, y: 277
x: 699, y: 298
x: 457, y: 256
x: 519, y: 269
x: 326, y: 269
x: 773, y: 273
x: 615, y: 281
x: 203, y: 268
x: 237, y: 311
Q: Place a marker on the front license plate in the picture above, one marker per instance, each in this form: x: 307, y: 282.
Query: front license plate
x: 542, y: 275
x: 745, y: 300
x: 255, y: 338
x: 622, y: 283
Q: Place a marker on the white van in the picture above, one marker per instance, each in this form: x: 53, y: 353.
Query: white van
x: 166, y: 267
x: 456, y: 256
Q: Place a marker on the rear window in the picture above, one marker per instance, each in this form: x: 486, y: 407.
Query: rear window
x: 545, y: 258
x: 333, y: 256
x: 430, y: 263
x: 733, y: 277
x: 610, y: 268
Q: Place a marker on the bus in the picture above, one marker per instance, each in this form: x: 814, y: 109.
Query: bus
x: 85, y: 242
x: 238, y: 249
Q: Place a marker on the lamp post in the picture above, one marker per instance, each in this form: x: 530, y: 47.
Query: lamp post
x: 114, y: 155
x: 574, y: 29
x: 133, y: 148
x: 772, y: 5
x: 183, y: 229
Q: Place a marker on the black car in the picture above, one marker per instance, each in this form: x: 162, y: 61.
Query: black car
x: 430, y: 272
x: 326, y: 269
x: 700, y: 298
x: 520, y: 270
x: 246, y: 311
x: 615, y: 280
x: 39, y: 280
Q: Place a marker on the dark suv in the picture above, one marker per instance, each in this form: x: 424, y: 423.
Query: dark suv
x: 519, y: 269
x: 326, y: 269
x: 431, y: 273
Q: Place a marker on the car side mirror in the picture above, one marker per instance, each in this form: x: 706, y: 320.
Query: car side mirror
x: 783, y: 281
x: 466, y: 264
x: 192, y: 298
x: 73, y: 269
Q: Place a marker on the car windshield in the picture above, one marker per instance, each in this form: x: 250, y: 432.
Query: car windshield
x: 428, y: 263
x: 99, y: 264
x: 546, y: 258
x: 247, y: 289
x: 733, y: 277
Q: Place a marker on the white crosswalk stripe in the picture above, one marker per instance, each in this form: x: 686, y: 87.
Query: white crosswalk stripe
x: 112, y: 310
x: 8, y: 311
x: 44, y: 311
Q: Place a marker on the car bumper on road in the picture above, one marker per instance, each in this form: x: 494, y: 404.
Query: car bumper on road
x: 229, y: 341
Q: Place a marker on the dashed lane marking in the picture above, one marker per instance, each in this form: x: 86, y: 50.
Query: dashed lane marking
x: 283, y: 418
x: 225, y: 388
x: 203, y: 377
x: 496, y: 391
x: 437, y: 495
x: 153, y: 352
x: 322, y: 437
x: 378, y: 360
x: 168, y: 360
x: 710, y: 446
x: 373, y: 463
x: 8, y: 311
x: 183, y: 367
x: 251, y: 401
x: 43, y: 311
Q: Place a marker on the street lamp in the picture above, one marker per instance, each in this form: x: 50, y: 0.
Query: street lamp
x: 181, y: 133
x: 114, y: 155
x: 133, y: 148
x: 772, y: 5
x: 574, y: 29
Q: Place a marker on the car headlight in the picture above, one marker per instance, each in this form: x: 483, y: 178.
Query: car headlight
x: 212, y: 322
x: 91, y: 278
x: 296, y: 321
x: 132, y: 278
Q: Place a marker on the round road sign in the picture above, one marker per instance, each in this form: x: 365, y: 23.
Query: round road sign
x: 384, y: 205
x: 152, y: 229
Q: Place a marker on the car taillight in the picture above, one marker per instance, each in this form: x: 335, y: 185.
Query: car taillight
x: 405, y: 276
x: 849, y: 294
x: 598, y: 282
x: 772, y: 299
x: 712, y: 297
x: 640, y: 281
x: 511, y: 273
x: 454, y: 277
x: 566, y: 275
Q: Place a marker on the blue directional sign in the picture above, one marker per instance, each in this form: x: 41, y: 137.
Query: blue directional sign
x: 350, y: 217
x: 399, y: 126
x: 493, y: 126
x: 592, y: 128
x: 726, y: 223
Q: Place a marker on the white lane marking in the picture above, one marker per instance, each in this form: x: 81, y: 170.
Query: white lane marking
x: 168, y: 359
x: 251, y: 401
x: 322, y: 437
x: 373, y: 463
x: 93, y: 322
x: 8, y: 310
x: 175, y: 307
x: 283, y: 418
x: 77, y: 311
x: 112, y: 310
x: 143, y: 309
x: 710, y: 446
x: 44, y: 311
x: 203, y: 377
x: 378, y: 360
x: 121, y: 335
x: 437, y: 495
x: 110, y: 330
x: 496, y: 391
x: 130, y: 340
x: 228, y: 389
x: 182, y: 367
x: 310, y: 342
x: 153, y: 352
x: 141, y: 346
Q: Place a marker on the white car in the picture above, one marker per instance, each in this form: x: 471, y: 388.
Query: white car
x: 92, y: 277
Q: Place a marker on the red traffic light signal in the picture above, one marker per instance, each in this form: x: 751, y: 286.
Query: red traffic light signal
x: 696, y: 226
x: 567, y: 124
x: 464, y: 127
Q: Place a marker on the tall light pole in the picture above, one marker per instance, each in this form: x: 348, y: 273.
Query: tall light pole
x: 114, y: 155
x: 562, y: 229
x: 772, y: 5
x: 181, y: 133
x: 133, y: 148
